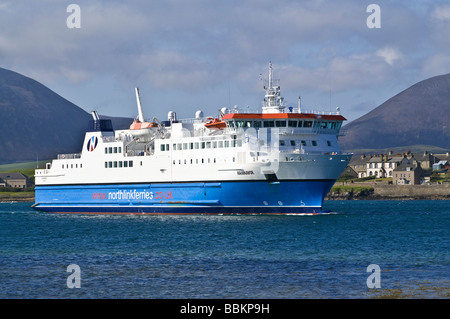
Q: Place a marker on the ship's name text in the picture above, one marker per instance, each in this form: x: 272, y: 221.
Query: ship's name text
x: 245, y: 173
x: 132, y: 195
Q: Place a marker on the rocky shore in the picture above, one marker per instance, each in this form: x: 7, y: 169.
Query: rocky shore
x: 389, y: 192
x: 16, y: 197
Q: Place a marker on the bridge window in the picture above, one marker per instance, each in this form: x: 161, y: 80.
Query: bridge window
x: 280, y: 123
x: 269, y: 124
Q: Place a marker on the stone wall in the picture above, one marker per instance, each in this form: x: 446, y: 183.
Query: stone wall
x: 434, y: 191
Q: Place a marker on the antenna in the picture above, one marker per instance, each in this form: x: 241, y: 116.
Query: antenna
x: 229, y: 94
x: 140, y: 114
x: 270, y: 75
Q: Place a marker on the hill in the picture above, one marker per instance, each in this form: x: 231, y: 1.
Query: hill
x: 417, y: 115
x: 37, y: 123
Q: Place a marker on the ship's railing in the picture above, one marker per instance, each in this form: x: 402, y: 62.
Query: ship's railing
x: 69, y: 156
x: 290, y: 109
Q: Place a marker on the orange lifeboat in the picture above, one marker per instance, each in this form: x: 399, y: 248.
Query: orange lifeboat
x: 137, y: 125
x: 215, y: 123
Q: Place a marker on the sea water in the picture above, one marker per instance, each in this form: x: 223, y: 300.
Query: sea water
x: 46, y: 255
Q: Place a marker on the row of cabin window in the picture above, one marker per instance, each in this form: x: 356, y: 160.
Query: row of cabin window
x: 71, y: 166
x: 284, y: 123
x: 118, y: 164
x: 303, y: 142
x: 113, y: 150
x: 201, y: 145
x: 269, y: 123
x: 198, y: 161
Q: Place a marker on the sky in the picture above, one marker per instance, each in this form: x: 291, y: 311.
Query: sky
x: 207, y: 54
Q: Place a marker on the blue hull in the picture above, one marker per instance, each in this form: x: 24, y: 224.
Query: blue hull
x: 252, y: 197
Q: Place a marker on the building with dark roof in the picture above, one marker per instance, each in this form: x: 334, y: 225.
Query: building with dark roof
x: 15, y: 180
x: 407, y: 173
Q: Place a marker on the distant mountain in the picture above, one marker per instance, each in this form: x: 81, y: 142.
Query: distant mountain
x: 417, y: 115
x: 35, y: 122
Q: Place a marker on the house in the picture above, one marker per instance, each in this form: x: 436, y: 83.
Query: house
x: 442, y: 160
x: 15, y: 180
x: 358, y: 165
x: 443, y: 157
x: 375, y: 166
x: 349, y: 171
x: 407, y: 173
x: 383, y: 165
x: 439, y: 165
x: 426, y: 160
x: 392, y: 164
x: 2, y: 183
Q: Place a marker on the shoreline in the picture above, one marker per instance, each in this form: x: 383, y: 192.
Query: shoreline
x: 377, y: 197
x: 330, y: 197
x: 6, y: 198
x: 340, y: 191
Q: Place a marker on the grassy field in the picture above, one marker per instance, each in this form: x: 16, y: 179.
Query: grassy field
x: 22, y: 195
x: 26, y: 168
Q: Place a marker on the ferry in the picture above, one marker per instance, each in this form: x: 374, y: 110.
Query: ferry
x: 281, y: 160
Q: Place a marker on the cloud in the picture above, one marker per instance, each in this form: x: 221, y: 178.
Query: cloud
x: 339, y: 73
x: 441, y: 13
x: 389, y: 54
x: 186, y: 46
x: 165, y: 69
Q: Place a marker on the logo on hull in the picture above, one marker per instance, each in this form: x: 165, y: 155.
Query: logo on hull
x: 92, y: 143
